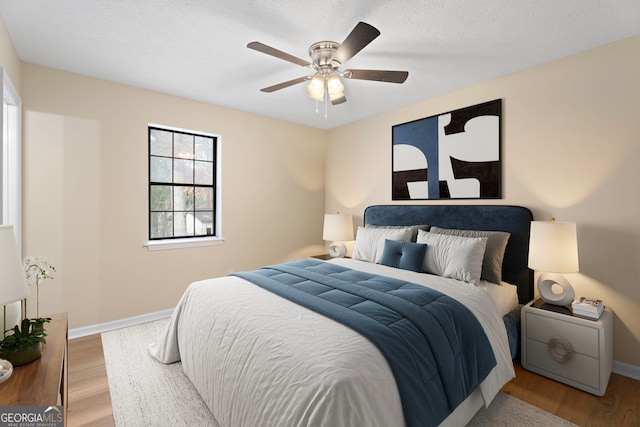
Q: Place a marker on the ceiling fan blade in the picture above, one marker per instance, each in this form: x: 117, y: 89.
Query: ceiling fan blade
x: 360, y: 36
x: 285, y: 84
x: 261, y: 47
x: 338, y: 100
x: 377, y: 75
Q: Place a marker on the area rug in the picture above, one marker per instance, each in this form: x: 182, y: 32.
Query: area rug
x: 145, y: 392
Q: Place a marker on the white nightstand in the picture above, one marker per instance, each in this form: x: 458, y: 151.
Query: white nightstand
x: 567, y: 348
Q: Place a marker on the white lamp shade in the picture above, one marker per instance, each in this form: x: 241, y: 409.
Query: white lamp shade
x: 338, y: 227
x: 553, y: 247
x: 315, y: 88
x: 334, y: 87
x: 13, y: 285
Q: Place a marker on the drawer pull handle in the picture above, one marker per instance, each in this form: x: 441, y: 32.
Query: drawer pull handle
x: 557, y: 343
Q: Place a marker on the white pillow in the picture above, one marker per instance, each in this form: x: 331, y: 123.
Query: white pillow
x: 453, y: 256
x: 370, y: 242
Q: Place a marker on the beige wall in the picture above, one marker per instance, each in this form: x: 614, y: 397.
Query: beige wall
x: 570, y: 149
x: 85, y: 194
x: 9, y: 58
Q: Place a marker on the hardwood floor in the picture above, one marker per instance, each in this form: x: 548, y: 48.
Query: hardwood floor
x: 90, y: 402
x: 620, y: 406
x: 89, y: 399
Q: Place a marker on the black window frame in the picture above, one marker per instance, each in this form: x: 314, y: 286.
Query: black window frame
x: 214, y: 187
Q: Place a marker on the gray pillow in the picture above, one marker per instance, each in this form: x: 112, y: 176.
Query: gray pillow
x: 493, y: 254
x: 414, y: 228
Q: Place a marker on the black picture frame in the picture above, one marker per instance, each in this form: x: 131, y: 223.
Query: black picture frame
x: 453, y: 155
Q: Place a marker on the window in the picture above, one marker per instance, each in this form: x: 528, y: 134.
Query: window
x: 183, y: 180
x: 10, y: 158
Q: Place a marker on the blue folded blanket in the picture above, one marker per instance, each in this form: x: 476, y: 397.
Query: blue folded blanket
x: 435, y: 347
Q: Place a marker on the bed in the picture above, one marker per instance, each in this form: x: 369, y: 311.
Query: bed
x: 260, y: 357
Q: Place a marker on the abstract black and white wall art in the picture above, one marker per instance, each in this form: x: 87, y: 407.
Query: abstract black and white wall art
x: 454, y: 155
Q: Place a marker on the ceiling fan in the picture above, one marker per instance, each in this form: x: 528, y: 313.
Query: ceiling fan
x: 326, y: 59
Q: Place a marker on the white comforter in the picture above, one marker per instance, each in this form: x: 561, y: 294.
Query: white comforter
x: 259, y: 360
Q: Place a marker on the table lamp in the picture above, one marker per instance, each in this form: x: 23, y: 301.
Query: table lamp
x: 13, y: 285
x: 553, y: 250
x: 338, y: 228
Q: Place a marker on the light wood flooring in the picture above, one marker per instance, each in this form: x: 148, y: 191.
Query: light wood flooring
x: 90, y: 403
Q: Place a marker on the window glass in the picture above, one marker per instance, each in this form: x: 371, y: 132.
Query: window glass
x: 182, y: 189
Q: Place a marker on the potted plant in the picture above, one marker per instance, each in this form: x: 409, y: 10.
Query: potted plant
x: 24, y: 345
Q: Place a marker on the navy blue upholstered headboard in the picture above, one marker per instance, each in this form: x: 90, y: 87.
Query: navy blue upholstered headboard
x: 512, y: 219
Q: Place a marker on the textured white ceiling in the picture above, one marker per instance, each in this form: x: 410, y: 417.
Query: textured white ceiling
x: 197, y: 48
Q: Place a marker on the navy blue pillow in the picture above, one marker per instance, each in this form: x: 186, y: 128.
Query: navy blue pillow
x: 405, y: 255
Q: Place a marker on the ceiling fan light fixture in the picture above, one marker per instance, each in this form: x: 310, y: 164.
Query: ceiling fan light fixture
x: 315, y: 88
x: 321, y: 84
x: 335, y: 87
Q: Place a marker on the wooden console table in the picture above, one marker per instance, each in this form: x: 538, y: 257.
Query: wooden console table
x: 43, y: 382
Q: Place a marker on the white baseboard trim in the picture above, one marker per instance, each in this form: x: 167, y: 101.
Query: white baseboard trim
x: 117, y: 324
x: 627, y: 370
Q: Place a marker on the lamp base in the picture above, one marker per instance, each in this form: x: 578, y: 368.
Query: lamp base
x: 546, y: 282
x: 337, y: 250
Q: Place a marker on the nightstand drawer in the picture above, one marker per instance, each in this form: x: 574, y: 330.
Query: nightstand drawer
x: 579, y: 368
x: 584, y: 340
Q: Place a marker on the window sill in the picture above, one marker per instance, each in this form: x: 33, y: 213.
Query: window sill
x: 161, y: 245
